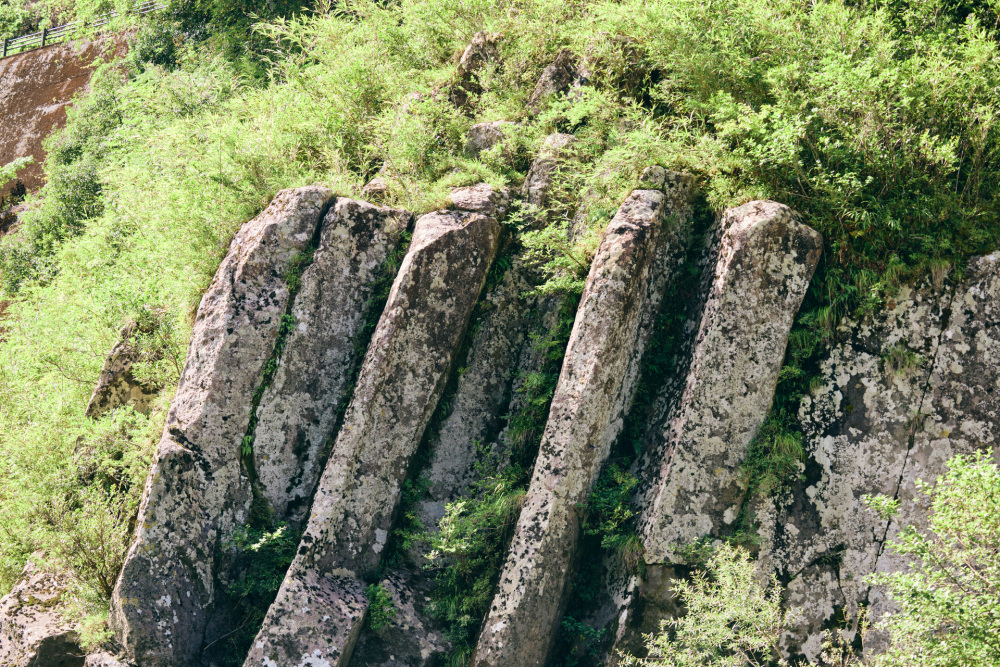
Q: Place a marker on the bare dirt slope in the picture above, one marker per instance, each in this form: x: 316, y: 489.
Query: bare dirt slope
x: 35, y: 88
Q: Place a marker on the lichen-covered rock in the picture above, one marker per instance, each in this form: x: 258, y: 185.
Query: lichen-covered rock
x: 766, y: 261
x: 320, y: 608
x: 298, y: 410
x: 908, y: 389
x: 538, y: 188
x: 498, y: 357
x: 409, y: 638
x: 116, y: 385
x: 484, y: 136
x: 103, y: 659
x: 33, y: 632
x: 637, y: 256
x: 481, y: 198
x: 198, y: 489
x: 556, y: 78
x: 482, y: 50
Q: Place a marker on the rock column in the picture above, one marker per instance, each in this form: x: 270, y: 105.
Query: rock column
x: 297, y: 412
x: 197, y: 490
x: 639, y: 251
x: 766, y: 260
x: 321, y: 606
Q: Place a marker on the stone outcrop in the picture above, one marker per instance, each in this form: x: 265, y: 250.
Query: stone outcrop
x: 557, y: 78
x: 484, y: 136
x: 102, y: 659
x: 481, y: 198
x: 198, y: 490
x: 482, y: 50
x: 538, y: 189
x: 766, y: 260
x: 321, y: 606
x: 298, y: 410
x: 33, y: 632
x: 638, y: 254
x: 409, y: 638
x: 116, y: 385
x: 907, y: 390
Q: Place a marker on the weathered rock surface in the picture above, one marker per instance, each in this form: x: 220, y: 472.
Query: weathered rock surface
x: 556, y: 78
x: 32, y: 630
x: 766, y: 261
x: 116, y: 385
x: 198, y: 490
x: 481, y: 198
x: 410, y: 638
x: 297, y: 412
x: 320, y: 608
x: 633, y: 263
x: 484, y: 136
x: 482, y: 50
x: 538, y: 188
x: 500, y: 354
x: 376, y: 190
x: 102, y: 659
x: 909, y: 389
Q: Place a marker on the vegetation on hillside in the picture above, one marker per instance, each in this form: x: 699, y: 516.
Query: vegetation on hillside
x: 878, y: 122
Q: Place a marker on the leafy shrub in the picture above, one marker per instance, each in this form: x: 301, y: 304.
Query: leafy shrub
x: 381, y: 608
x: 948, y: 600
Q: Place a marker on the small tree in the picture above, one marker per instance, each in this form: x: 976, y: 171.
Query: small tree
x: 732, y: 620
x: 949, y: 601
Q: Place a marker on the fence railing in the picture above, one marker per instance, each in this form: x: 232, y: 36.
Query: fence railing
x: 61, y: 33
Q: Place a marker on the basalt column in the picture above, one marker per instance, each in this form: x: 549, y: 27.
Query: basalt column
x: 638, y: 253
x: 297, y: 412
x: 908, y: 388
x: 321, y: 606
x: 691, y: 469
x: 766, y: 260
x: 198, y: 490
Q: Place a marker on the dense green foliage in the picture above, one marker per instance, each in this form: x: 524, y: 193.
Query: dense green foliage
x: 877, y: 121
x: 948, y: 612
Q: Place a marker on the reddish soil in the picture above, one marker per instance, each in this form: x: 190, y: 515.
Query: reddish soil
x: 35, y: 88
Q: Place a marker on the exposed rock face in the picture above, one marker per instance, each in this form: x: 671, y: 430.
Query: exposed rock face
x: 102, y: 659
x: 481, y: 198
x: 633, y: 263
x: 482, y: 50
x: 910, y: 388
x: 198, y: 489
x: 116, y: 386
x: 538, y: 185
x: 320, y: 608
x: 500, y: 355
x: 32, y: 630
x: 484, y: 136
x: 297, y: 412
x: 409, y: 638
x: 556, y: 78
x: 766, y: 261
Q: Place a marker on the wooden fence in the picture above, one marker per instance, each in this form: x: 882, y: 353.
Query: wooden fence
x: 64, y: 32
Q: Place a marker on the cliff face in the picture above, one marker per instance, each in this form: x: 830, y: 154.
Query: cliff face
x: 316, y: 400
x: 35, y: 89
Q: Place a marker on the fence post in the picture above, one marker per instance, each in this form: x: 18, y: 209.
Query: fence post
x: 45, y: 33
x: 5, y: 41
